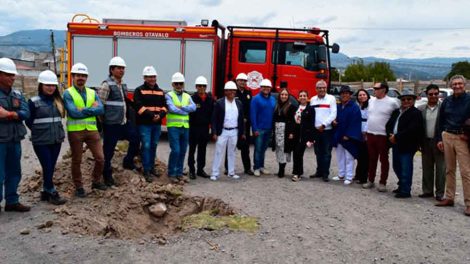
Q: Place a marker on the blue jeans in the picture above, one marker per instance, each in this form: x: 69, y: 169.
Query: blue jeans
x: 322, y: 147
x: 111, y: 135
x: 10, y: 171
x: 47, y: 155
x: 178, y: 138
x: 261, y: 144
x: 149, y: 136
x: 403, y: 168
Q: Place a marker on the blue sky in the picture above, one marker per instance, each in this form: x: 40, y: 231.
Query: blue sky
x: 389, y: 29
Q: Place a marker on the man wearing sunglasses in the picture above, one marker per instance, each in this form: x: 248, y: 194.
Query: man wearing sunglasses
x: 432, y: 158
x: 179, y: 105
x: 404, y: 131
x: 455, y: 110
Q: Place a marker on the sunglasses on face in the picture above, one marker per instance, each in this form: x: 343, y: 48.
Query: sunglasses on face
x: 178, y: 84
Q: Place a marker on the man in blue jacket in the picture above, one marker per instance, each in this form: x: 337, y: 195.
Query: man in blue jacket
x: 13, y: 110
x: 261, y: 115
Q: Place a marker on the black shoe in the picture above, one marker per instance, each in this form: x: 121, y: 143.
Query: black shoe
x: 109, y: 182
x: 426, y: 195
x: 131, y: 167
x: 402, y: 195
x: 203, y: 174
x: 316, y: 175
x: 225, y: 172
x: 80, y: 193
x: 99, y: 186
x: 148, y: 177
x: 18, y: 207
x: 155, y: 172
x: 326, y: 179
x: 192, y: 175
x: 439, y: 198
x: 54, y: 198
x: 249, y: 172
x: 44, y: 196
x: 396, y: 191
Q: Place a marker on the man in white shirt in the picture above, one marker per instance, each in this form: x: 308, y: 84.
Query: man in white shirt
x: 227, y: 126
x: 325, y: 114
x: 380, y: 109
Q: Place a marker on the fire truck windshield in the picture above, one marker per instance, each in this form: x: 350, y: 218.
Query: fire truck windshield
x: 306, y: 56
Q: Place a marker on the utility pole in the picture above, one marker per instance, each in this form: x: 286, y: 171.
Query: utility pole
x: 53, y: 51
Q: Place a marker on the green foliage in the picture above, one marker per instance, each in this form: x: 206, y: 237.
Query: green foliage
x: 334, y: 75
x: 377, y: 71
x: 461, y: 67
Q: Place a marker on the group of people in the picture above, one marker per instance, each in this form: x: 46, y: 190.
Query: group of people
x: 363, y: 129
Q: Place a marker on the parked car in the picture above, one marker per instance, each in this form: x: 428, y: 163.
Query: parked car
x: 423, y: 99
x: 392, y: 92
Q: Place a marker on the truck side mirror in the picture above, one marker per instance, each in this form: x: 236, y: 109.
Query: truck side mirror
x: 335, y: 48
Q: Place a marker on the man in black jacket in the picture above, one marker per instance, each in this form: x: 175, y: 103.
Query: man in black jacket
x: 404, y: 130
x: 227, y: 128
x: 199, y: 121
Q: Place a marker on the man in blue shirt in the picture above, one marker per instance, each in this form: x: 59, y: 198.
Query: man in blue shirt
x: 261, y: 115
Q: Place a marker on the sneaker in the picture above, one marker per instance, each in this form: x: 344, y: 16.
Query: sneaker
x: 80, y: 193
x: 338, y: 178
x: 109, y: 182
x: 257, y: 173
x: 44, y: 196
x: 55, y: 199
x: 368, y: 185
x: 381, y: 188
x: 148, y: 177
x: 264, y: 171
x: 17, y: 207
x: 192, y: 175
x: 99, y: 186
x: 234, y: 176
x: 295, y: 178
x: 155, y: 172
x: 249, y: 172
x: 347, y: 182
x: 214, y: 178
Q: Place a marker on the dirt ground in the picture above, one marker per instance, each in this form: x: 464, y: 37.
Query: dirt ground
x: 305, y: 222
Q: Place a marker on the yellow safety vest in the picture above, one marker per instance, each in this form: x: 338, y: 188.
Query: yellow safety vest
x: 177, y: 120
x: 88, y: 123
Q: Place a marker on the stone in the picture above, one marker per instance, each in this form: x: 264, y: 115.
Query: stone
x: 158, y: 210
x: 25, y: 231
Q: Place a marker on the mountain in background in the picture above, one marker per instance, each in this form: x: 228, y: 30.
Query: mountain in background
x: 416, y: 69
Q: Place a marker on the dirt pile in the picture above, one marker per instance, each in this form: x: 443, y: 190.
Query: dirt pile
x: 134, y: 209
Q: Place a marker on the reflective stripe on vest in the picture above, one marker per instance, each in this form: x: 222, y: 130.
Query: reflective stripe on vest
x: 47, y: 120
x: 114, y: 103
x: 88, y: 123
x: 177, y: 120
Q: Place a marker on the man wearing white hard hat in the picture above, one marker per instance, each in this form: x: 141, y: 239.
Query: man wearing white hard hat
x: 261, y: 114
x: 13, y: 110
x: 227, y: 128
x: 83, y: 106
x: 179, y: 105
x: 199, y: 121
x: 149, y: 102
x: 118, y: 119
x: 47, y: 132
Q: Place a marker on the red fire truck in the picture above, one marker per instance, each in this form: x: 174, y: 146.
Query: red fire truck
x: 289, y: 57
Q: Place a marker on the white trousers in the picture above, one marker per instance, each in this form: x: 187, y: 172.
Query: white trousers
x: 345, y: 162
x: 226, y: 141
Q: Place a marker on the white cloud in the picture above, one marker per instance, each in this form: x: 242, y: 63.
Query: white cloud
x: 362, y: 28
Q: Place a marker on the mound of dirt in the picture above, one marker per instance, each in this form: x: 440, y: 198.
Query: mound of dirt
x: 132, y: 210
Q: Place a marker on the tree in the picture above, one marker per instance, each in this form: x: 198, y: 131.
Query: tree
x: 356, y: 72
x: 334, y: 75
x: 380, y: 71
x: 461, y: 67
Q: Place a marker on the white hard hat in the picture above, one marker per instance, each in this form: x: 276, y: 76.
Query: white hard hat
x: 241, y: 76
x: 48, y: 77
x: 8, y: 66
x: 117, y: 61
x: 149, y: 71
x: 201, y: 80
x: 230, y: 86
x: 265, y: 82
x: 177, y: 77
x: 79, y: 68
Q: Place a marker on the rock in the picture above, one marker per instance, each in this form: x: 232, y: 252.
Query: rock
x: 45, y: 225
x: 25, y: 231
x: 158, y: 210
x: 65, y: 232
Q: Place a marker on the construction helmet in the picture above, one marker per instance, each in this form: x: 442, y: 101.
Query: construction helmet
x: 117, y: 61
x: 79, y: 68
x: 177, y: 77
x: 149, y: 71
x: 48, y: 77
x: 265, y: 82
x: 230, y: 86
x: 8, y: 66
x: 242, y: 76
x: 201, y: 80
